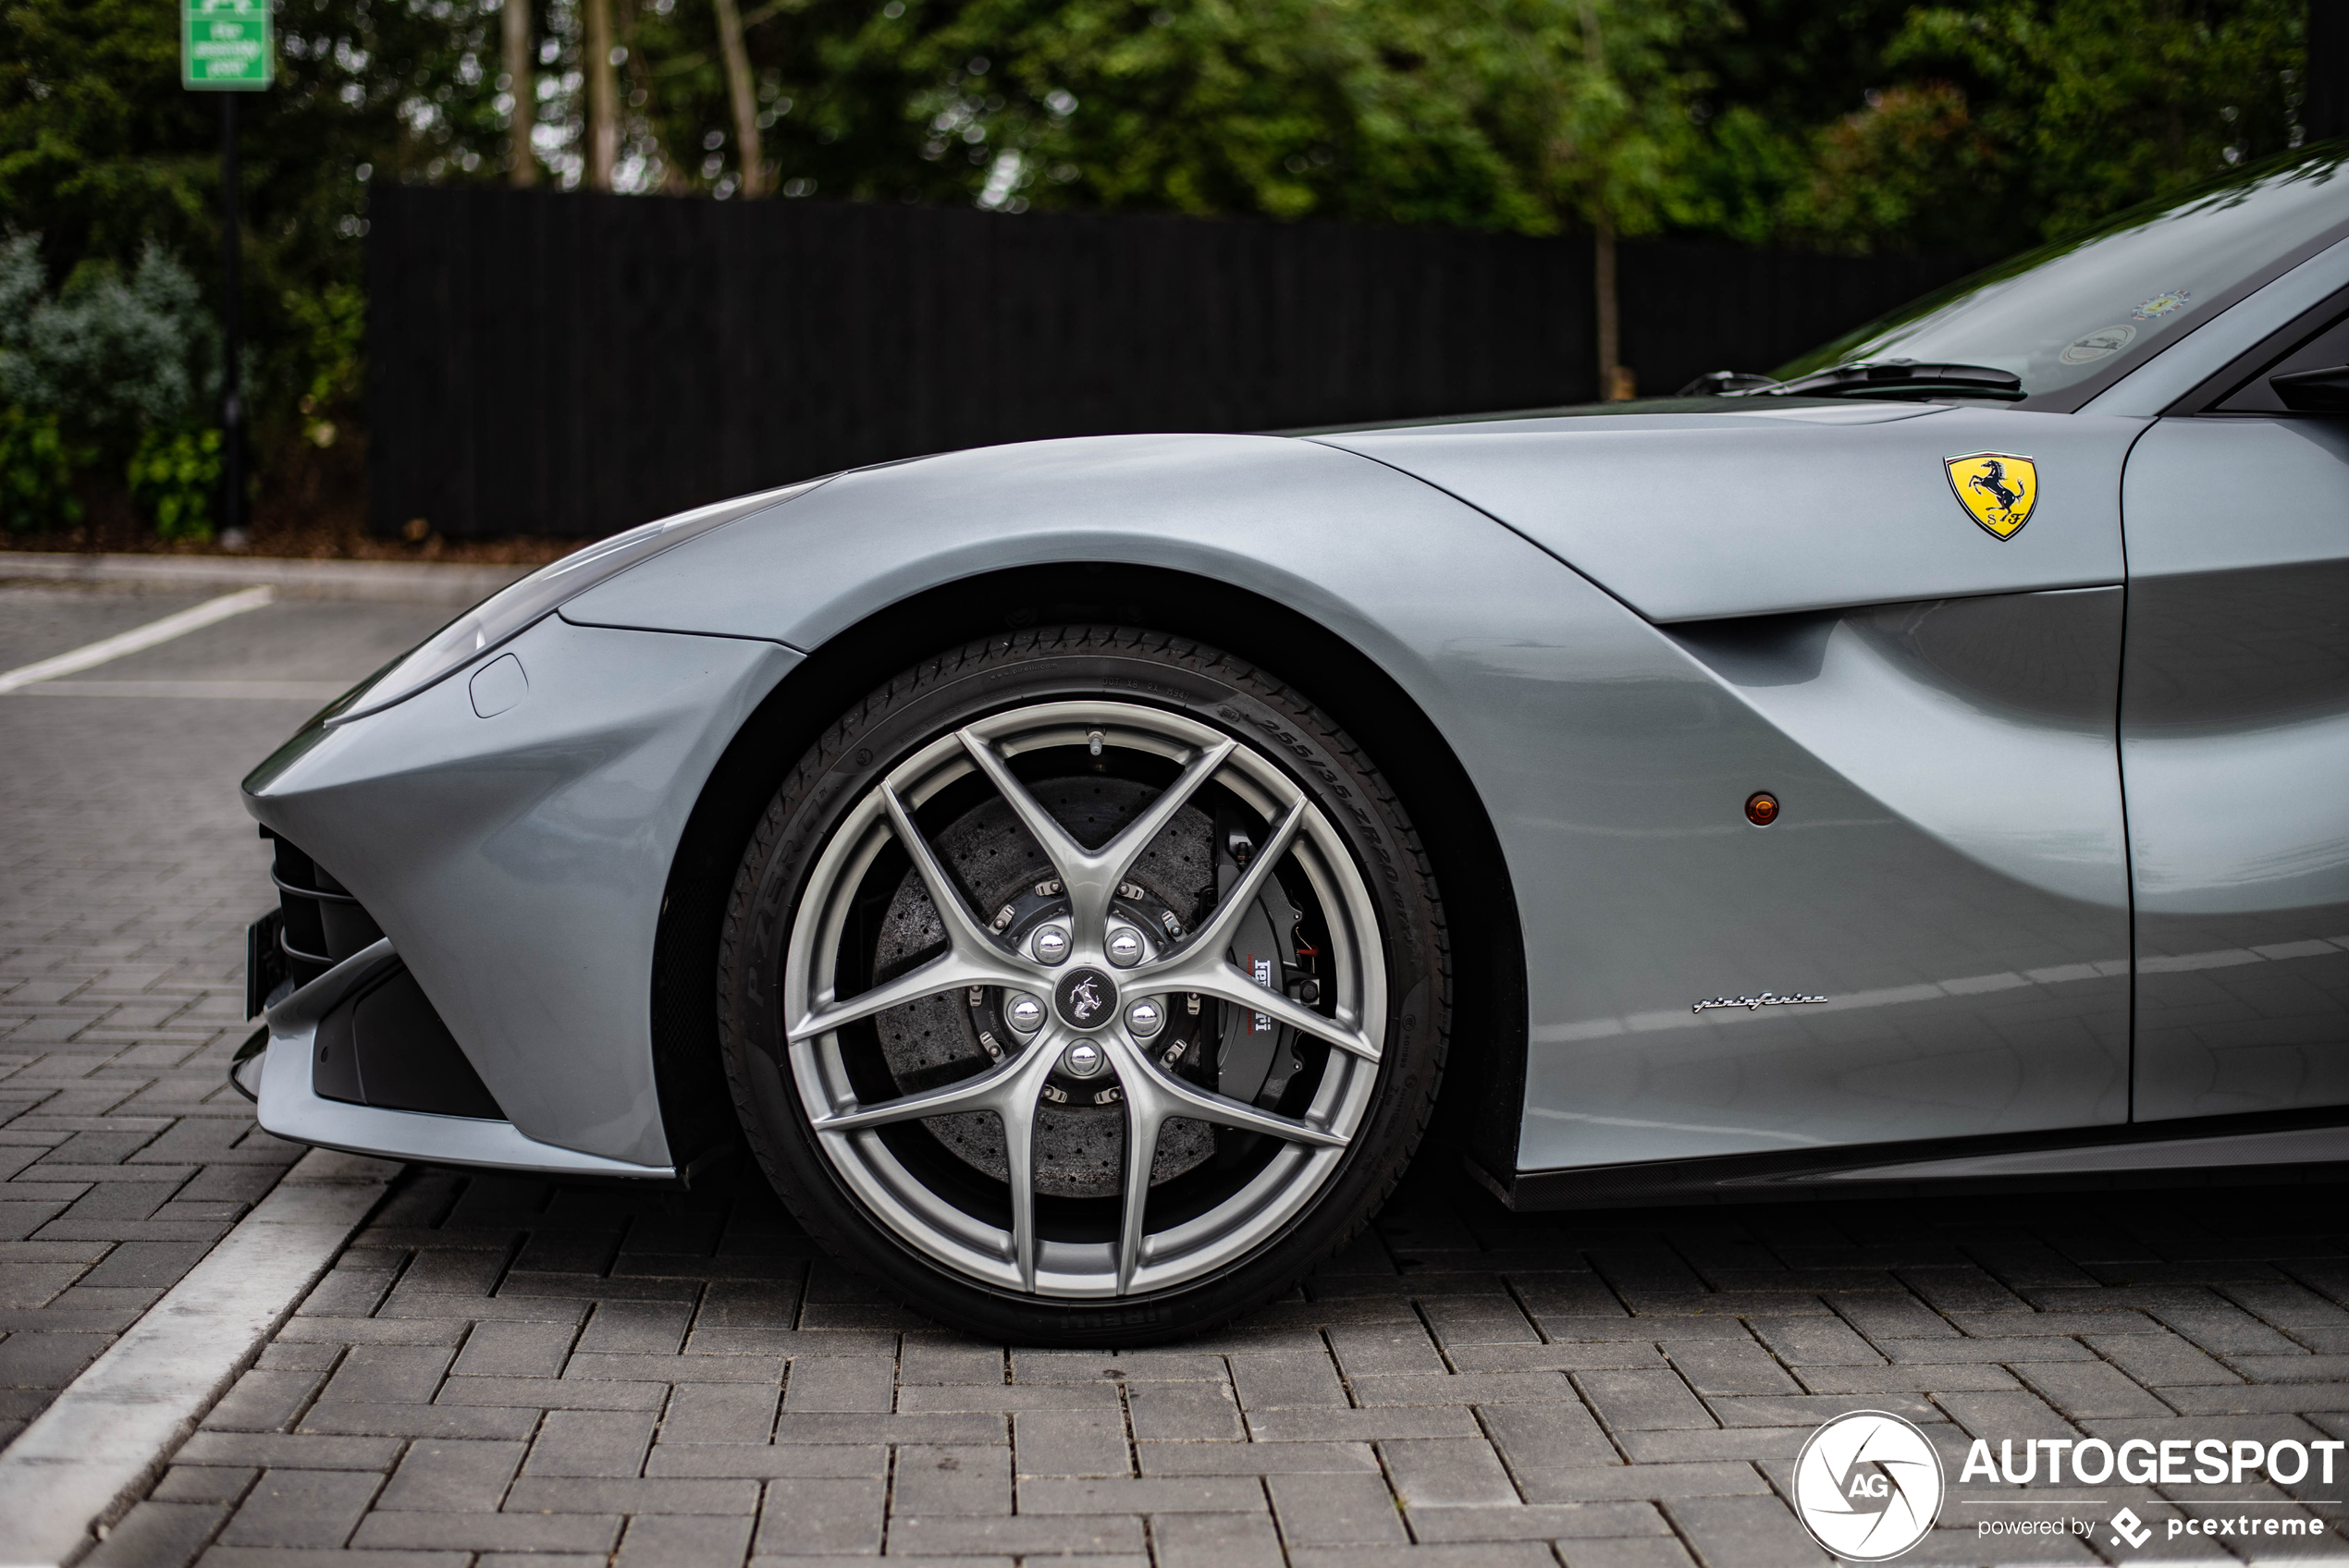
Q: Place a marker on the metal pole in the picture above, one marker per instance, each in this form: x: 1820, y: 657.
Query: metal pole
x: 232, y: 409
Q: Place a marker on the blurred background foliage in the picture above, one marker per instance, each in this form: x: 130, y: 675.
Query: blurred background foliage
x: 1978, y: 127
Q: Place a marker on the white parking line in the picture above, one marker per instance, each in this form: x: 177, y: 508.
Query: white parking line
x: 282, y: 690
x: 109, y: 648
x: 88, y: 1456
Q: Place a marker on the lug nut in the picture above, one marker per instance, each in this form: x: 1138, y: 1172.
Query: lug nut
x: 1050, y: 944
x: 1083, y: 1059
x: 1125, y: 947
x: 1025, y: 1014
x: 1146, y: 1017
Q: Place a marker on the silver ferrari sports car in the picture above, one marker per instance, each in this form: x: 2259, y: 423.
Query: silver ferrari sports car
x: 1081, y: 874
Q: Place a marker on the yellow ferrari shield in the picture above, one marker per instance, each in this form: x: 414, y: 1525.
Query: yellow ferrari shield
x: 1996, y: 489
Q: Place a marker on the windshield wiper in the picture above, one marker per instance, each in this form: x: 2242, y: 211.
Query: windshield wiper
x: 1892, y: 379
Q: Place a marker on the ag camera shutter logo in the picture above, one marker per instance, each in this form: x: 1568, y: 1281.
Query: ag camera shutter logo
x: 1868, y: 1485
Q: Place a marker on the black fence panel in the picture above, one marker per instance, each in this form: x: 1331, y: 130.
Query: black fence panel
x: 571, y: 364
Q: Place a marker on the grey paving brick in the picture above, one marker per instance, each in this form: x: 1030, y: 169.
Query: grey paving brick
x: 768, y: 1461
x: 1540, y: 1442
x: 1602, y: 1355
x: 453, y: 1477
x: 515, y: 1350
x: 1183, y: 1411
x: 551, y: 1393
x: 1539, y: 1522
x: 930, y: 1358
x: 1956, y: 1377
x: 1150, y: 1494
x: 1436, y: 1473
x: 47, y: 1360
x: 298, y: 1451
x: 656, y: 1328
x: 946, y: 1397
x: 821, y: 1517
x: 1335, y: 1510
x: 852, y: 1384
x: 1997, y: 1415
x: 1023, y: 1535
x: 1070, y: 1442
x: 1214, y: 1540
x: 1468, y: 1388
x: 1385, y: 1350
x: 1464, y: 1554
x: 719, y: 1413
x: 393, y: 1530
x: 264, y: 1400
x: 1814, y: 1342
x: 2081, y: 1389
x: 1256, y: 1459
x: 158, y: 1535
x: 300, y: 1508
x: 1323, y: 1425
x: 419, y: 1420
x: 1743, y: 1532
x: 1725, y: 1367
x: 1643, y: 1401
x: 389, y: 1375
x: 2255, y: 1397
x: 1725, y: 1442
x: 961, y: 1479
x: 545, y: 1494
x: 1287, y: 1378
x: 1636, y: 1551
x: 591, y: 1443
x: 684, y: 1542
x: 204, y: 1483
x: 1461, y: 1320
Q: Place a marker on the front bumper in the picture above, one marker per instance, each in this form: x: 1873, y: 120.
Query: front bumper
x: 515, y: 857
x: 291, y: 1106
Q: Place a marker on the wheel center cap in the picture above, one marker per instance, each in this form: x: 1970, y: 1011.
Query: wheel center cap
x: 1086, y: 998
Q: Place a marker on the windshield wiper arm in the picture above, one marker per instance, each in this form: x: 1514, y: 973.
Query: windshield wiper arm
x: 1895, y: 379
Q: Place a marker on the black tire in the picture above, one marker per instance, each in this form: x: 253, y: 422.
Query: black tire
x: 1141, y: 668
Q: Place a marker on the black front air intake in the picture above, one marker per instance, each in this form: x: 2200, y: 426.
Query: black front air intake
x: 319, y: 923
x: 383, y: 1044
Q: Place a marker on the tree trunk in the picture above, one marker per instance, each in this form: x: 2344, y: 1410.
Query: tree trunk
x: 523, y: 84
x: 1615, y: 381
x: 730, y: 40
x: 603, y: 98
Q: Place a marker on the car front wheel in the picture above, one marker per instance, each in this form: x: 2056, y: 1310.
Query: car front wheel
x: 1084, y: 986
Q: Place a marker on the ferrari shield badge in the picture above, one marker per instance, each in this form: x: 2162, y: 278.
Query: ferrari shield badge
x: 1996, y: 489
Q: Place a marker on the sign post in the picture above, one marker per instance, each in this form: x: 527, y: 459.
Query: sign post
x: 225, y: 47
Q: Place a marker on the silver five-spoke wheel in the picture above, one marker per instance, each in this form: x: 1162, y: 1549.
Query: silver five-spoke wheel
x: 1085, y: 1000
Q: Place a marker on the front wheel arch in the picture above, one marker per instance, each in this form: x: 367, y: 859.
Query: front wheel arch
x: 1482, y: 1099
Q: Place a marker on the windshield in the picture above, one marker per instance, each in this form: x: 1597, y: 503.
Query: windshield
x: 2090, y: 308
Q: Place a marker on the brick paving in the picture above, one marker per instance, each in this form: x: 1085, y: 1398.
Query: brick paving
x: 499, y: 1366
x: 502, y: 1371
x: 127, y: 871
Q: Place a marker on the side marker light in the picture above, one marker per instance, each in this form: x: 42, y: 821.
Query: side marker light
x: 1761, y: 808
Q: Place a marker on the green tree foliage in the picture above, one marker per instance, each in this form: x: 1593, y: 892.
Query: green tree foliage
x: 1979, y: 125
x: 1989, y: 127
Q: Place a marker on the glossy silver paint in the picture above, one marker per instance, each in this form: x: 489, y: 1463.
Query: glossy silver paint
x: 2236, y: 745
x: 1615, y: 759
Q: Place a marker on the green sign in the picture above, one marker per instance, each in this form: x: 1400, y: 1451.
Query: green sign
x: 224, y: 44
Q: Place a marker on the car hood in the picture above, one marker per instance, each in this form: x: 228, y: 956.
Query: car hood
x: 1740, y: 508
